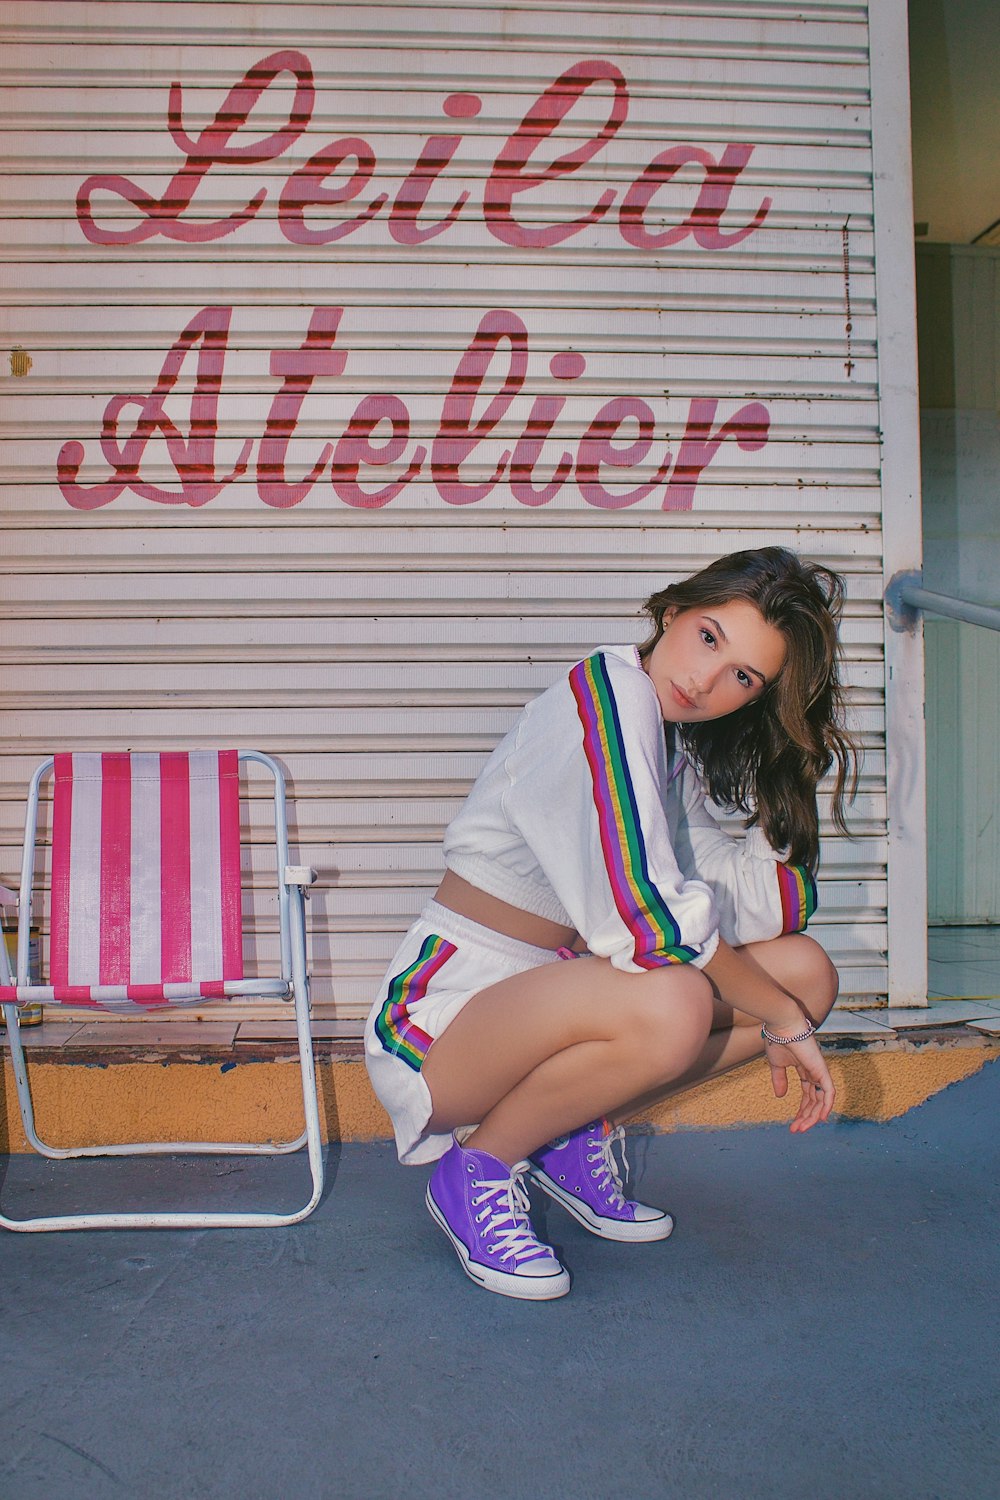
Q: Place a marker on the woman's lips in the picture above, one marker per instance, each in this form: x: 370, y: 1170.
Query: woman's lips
x: 682, y: 700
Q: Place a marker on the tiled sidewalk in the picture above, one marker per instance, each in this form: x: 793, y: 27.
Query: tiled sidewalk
x: 964, y: 961
x: 963, y: 989
x: 963, y: 968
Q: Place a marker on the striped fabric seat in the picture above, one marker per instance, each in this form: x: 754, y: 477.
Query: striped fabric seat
x: 146, y: 906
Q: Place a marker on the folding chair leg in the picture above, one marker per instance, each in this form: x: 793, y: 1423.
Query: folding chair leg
x: 22, y: 1080
x: 307, y: 1068
x: 20, y: 1069
x: 311, y: 1137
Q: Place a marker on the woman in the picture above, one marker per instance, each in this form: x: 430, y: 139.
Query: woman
x: 587, y: 836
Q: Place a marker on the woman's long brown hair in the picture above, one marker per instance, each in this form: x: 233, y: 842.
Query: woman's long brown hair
x: 766, y: 760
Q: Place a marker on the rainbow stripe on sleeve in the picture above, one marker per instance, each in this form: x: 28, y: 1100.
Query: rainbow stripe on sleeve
x: 393, y: 1027
x: 640, y: 904
x: 798, y: 897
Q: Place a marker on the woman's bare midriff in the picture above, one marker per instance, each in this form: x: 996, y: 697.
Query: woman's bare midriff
x: 469, y: 901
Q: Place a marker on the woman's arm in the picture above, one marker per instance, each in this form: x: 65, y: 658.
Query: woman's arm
x: 758, y: 895
x: 586, y: 796
x: 748, y: 988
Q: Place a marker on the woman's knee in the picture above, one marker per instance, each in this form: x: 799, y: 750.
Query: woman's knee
x: 814, y: 980
x: 669, y: 1018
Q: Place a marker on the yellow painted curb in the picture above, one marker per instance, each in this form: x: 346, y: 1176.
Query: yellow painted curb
x: 870, y: 1084
x: 256, y: 1099
x: 97, y: 1101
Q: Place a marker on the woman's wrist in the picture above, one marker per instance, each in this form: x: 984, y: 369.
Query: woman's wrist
x: 781, y: 1040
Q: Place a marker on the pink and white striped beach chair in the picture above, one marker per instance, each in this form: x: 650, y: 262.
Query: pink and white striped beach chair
x: 146, y: 912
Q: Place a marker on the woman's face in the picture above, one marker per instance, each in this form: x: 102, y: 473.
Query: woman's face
x: 710, y: 662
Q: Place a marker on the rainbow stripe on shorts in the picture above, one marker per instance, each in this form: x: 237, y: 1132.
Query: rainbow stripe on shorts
x: 393, y: 1027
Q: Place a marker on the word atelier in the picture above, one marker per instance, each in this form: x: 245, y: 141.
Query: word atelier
x: 378, y: 431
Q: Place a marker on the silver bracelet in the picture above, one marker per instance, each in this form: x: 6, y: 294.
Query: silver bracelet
x: 785, y: 1041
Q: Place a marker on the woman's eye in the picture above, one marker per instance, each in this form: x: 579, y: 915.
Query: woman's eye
x: 743, y: 680
x: 707, y: 637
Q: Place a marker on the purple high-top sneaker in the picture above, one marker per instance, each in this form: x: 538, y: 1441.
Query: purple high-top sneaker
x: 482, y: 1206
x: 580, y: 1171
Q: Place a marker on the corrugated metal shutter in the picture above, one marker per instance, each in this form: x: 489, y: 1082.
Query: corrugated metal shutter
x: 380, y: 647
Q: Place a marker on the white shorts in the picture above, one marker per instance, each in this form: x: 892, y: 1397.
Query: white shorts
x: 441, y: 963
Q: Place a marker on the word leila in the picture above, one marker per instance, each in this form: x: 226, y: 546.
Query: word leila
x: 378, y: 432
x: 512, y: 176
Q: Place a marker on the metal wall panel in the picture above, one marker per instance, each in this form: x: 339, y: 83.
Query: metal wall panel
x: 958, y: 290
x: 959, y: 306
x: 223, y: 573
x: 963, y: 784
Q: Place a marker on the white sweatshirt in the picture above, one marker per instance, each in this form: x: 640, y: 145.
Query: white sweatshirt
x: 577, y: 818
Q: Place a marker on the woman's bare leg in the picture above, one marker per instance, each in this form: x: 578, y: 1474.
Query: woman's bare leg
x: 539, y: 1054
x: 799, y: 966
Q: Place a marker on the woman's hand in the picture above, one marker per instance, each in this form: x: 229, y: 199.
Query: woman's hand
x: 818, y: 1092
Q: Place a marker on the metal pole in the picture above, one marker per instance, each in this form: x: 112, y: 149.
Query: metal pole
x: 986, y: 615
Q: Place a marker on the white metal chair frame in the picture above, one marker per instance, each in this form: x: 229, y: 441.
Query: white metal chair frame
x: 292, y: 882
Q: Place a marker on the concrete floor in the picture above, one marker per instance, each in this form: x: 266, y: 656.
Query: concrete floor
x: 824, y: 1323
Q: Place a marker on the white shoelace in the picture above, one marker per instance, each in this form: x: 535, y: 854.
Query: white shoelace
x: 505, y: 1214
x: 606, y: 1174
